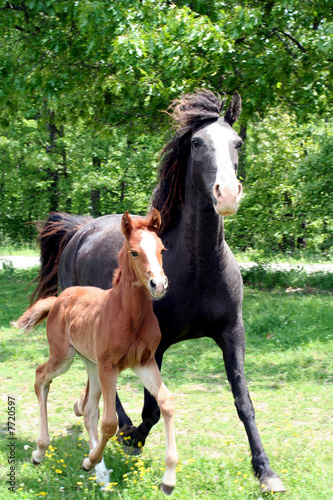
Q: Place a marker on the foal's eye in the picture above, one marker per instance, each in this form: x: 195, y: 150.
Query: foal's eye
x: 134, y: 254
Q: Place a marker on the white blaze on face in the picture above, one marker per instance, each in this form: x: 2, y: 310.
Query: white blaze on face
x: 225, y: 175
x: 148, y: 245
x: 227, y: 191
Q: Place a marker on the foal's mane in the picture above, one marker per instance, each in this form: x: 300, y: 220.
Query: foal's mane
x: 188, y: 113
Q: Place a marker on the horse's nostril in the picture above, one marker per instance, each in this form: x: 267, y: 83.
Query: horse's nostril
x: 153, y: 284
x: 240, y: 190
x: 217, y: 192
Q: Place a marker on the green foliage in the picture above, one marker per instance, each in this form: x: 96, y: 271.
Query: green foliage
x: 288, y: 178
x: 315, y: 174
x: 83, y: 85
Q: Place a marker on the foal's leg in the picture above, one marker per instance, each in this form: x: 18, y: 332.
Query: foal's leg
x: 90, y: 410
x: 233, y: 347
x: 152, y: 380
x: 107, y: 374
x: 58, y: 363
x: 133, y: 438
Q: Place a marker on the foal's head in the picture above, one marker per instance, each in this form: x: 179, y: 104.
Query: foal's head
x: 144, y: 249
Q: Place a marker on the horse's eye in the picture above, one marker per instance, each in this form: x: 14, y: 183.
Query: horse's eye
x: 134, y: 254
x: 196, y: 144
x: 239, y: 145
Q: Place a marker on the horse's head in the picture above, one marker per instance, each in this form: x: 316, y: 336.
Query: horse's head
x: 144, y: 249
x: 213, y: 160
x: 203, y: 154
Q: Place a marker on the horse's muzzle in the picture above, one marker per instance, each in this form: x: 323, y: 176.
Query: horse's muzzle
x: 226, y: 199
x: 158, y: 289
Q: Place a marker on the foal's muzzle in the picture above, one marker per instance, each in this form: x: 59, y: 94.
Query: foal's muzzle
x: 158, y: 288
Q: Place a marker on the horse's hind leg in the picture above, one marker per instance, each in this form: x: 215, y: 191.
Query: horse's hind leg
x: 58, y: 363
x: 233, y: 347
x: 78, y: 405
x: 152, y: 380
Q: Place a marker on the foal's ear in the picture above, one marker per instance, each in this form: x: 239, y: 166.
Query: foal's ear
x: 154, y: 221
x: 126, y: 224
x: 234, y: 110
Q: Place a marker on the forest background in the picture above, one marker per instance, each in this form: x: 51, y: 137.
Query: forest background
x: 83, y: 86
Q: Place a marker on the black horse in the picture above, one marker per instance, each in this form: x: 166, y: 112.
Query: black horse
x: 197, y: 186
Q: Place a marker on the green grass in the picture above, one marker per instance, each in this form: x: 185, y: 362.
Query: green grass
x: 26, y: 249
x: 289, y: 367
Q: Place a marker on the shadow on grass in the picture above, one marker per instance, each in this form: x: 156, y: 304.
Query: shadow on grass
x: 60, y: 474
x: 266, y: 367
x: 264, y: 278
x: 15, y: 290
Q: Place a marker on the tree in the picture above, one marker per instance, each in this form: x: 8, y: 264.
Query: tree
x: 89, y: 79
x: 288, y: 181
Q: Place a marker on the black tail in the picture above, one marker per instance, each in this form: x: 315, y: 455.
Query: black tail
x: 54, y: 236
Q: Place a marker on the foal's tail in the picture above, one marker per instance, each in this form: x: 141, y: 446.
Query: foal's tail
x: 34, y: 315
x: 54, y: 237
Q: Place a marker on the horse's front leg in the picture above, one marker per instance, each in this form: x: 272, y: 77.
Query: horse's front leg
x: 90, y: 410
x: 133, y: 438
x: 107, y: 374
x: 232, y: 343
x: 152, y: 380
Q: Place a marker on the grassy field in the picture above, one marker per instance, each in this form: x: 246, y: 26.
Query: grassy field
x: 26, y: 249
x: 289, y: 367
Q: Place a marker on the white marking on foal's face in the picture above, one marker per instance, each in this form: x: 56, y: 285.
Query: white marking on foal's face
x: 148, y: 244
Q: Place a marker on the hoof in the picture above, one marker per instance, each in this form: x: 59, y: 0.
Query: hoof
x: 126, y: 438
x: 167, y: 490
x: 131, y: 450
x: 87, y: 465
x: 271, y: 484
x: 78, y: 408
x: 34, y: 461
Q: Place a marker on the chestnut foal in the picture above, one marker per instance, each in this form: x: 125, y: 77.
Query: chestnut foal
x: 111, y: 330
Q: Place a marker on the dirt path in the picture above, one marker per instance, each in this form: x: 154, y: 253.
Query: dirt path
x: 19, y: 261
x: 23, y: 262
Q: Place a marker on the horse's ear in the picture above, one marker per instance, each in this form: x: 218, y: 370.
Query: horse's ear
x: 154, y: 222
x: 126, y: 224
x: 234, y: 110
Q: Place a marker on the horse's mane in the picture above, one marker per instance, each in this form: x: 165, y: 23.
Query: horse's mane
x: 188, y: 113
